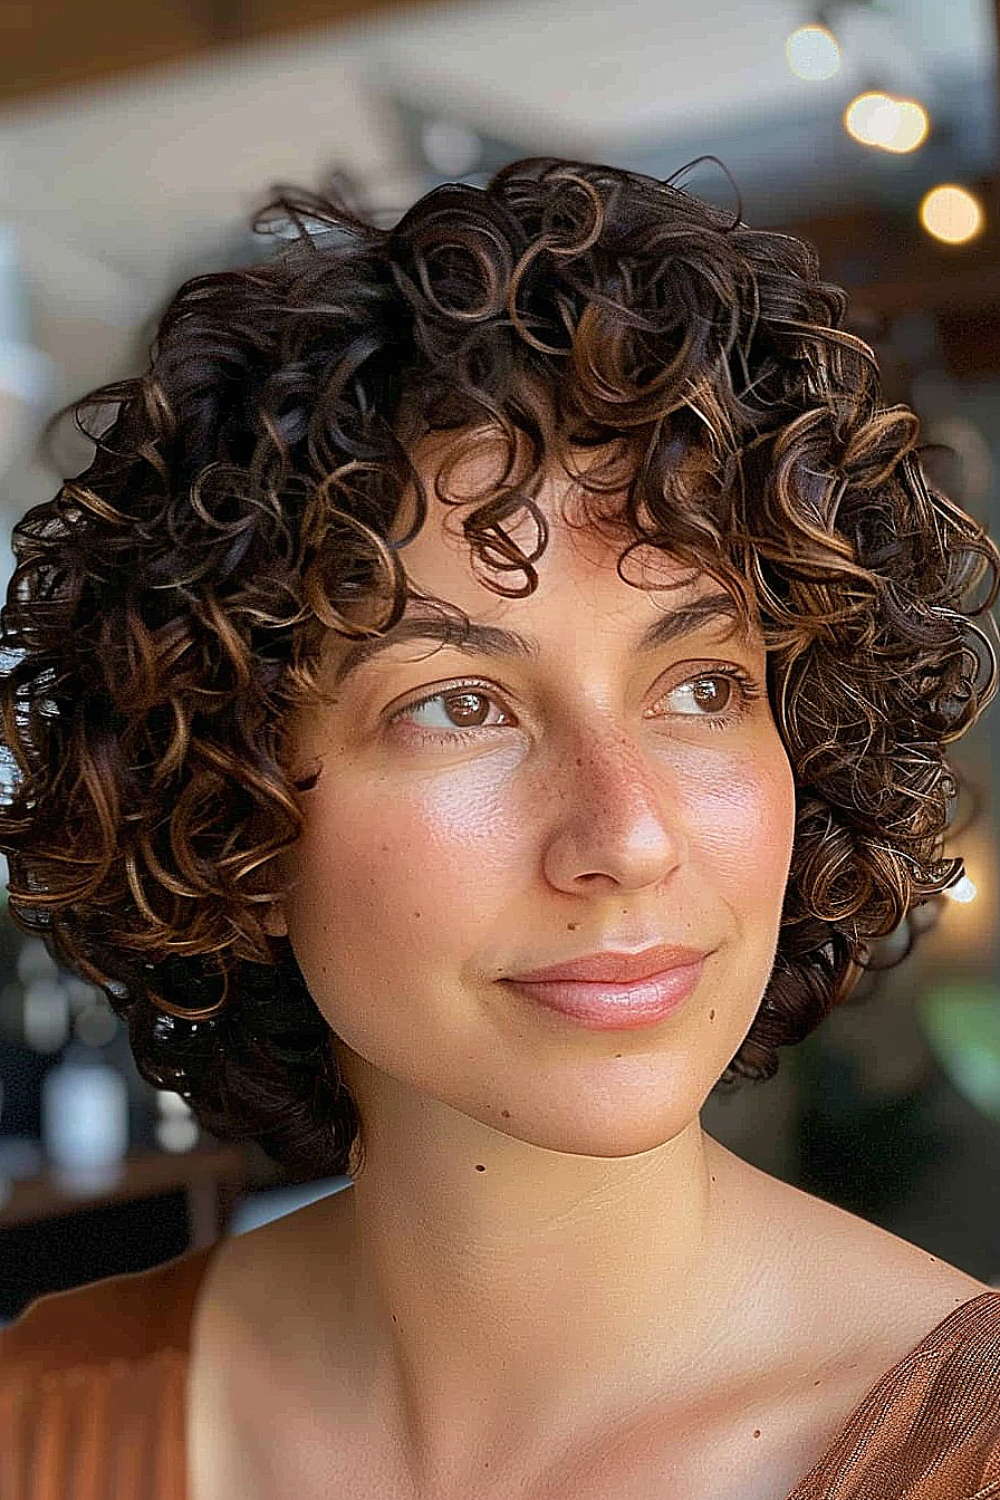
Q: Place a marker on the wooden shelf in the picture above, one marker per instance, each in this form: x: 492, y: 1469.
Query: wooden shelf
x: 212, y: 1175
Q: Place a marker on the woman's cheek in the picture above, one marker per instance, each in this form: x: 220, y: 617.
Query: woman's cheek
x: 742, y: 815
x: 433, y: 846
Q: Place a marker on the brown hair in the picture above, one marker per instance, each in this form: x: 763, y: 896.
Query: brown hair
x: 169, y: 604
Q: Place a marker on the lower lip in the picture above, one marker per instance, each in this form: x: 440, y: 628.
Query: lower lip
x: 614, y: 1007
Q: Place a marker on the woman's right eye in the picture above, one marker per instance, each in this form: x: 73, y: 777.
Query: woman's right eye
x: 468, y: 693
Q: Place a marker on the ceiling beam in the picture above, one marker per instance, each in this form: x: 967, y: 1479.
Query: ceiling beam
x: 996, y: 28
x: 48, y: 47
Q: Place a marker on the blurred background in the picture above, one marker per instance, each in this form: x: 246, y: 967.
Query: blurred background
x: 136, y: 141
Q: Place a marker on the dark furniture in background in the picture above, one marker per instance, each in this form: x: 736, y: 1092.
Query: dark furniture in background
x: 163, y: 1205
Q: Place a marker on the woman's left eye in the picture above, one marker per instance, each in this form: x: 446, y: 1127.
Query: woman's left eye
x: 717, y: 697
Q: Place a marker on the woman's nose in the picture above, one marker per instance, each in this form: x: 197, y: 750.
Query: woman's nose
x: 614, y: 814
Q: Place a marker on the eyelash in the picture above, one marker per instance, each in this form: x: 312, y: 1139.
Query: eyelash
x: 747, y: 689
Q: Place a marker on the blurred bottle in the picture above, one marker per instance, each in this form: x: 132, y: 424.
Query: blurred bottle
x: 85, y: 1121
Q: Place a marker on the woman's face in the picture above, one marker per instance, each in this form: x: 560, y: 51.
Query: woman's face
x: 477, y: 816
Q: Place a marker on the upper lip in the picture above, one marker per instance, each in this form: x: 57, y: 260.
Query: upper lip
x: 616, y: 966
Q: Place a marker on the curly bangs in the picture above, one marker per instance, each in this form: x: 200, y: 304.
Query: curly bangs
x: 169, y: 605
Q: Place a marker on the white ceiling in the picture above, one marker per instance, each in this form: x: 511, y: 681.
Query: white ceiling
x: 147, y: 169
x: 588, y: 77
x: 654, y: 85
x: 115, y: 193
x: 111, y: 196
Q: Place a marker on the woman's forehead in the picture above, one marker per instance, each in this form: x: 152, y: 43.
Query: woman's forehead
x: 579, y: 591
x: 461, y: 469
x: 586, y: 533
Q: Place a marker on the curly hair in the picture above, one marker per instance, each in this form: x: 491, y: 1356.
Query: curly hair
x: 168, y: 607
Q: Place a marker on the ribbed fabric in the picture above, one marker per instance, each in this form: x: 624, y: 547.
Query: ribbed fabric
x: 930, y: 1428
x: 96, y: 1432
x: 93, y: 1381
x: 92, y: 1388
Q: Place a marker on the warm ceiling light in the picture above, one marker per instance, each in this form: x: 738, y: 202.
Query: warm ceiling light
x: 911, y: 129
x: 871, y: 117
x: 951, y: 213
x: 813, y: 53
x: 877, y: 119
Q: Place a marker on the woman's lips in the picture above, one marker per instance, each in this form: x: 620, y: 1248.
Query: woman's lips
x: 603, y: 1006
x: 616, y: 966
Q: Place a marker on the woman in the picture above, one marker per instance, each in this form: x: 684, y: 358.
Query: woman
x: 691, y: 754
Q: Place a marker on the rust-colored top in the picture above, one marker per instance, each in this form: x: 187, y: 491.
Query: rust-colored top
x: 92, y: 1386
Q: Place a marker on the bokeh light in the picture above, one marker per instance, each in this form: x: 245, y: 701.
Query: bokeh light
x: 813, y: 53
x: 450, y: 147
x: 878, y: 119
x: 951, y: 213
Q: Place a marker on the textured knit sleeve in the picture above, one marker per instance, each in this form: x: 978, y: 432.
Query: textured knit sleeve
x: 92, y: 1389
x: 109, y: 1431
x: 930, y: 1428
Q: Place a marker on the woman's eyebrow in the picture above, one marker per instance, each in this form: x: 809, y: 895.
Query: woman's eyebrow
x: 479, y: 639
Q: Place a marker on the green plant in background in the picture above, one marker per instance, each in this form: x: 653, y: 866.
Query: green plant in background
x: 961, y: 1022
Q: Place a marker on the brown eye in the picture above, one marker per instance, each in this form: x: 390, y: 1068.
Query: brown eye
x: 464, y: 709
x: 712, y: 692
x: 467, y: 709
x: 718, y: 698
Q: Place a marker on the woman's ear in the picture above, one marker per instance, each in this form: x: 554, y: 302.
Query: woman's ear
x: 274, y: 922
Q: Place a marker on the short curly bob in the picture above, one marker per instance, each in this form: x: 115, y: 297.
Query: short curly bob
x: 168, y: 607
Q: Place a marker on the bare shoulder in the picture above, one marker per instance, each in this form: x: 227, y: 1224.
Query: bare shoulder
x: 877, y: 1293
x: 228, y: 1327
x: 244, y: 1378
x: 254, y: 1286
x: 831, y: 1313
